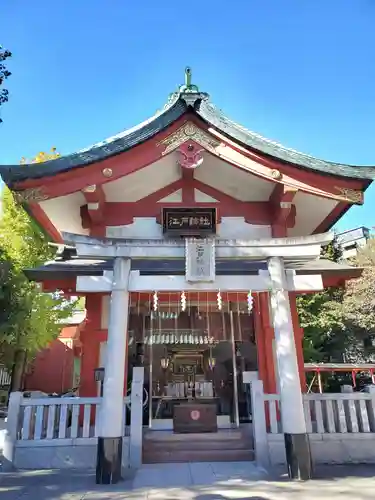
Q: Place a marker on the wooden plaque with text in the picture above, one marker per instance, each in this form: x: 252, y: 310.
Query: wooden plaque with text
x: 194, y: 417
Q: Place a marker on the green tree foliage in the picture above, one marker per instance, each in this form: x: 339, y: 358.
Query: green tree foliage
x: 21, y: 239
x: 359, y: 306
x: 339, y: 323
x: 321, y: 317
x: 4, y: 74
x: 29, y: 319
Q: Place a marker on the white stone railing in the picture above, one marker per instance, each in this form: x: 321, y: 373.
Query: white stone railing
x: 50, y: 418
x: 48, y: 432
x: 4, y: 377
x: 328, y: 413
x: 341, y: 426
x: 340, y: 413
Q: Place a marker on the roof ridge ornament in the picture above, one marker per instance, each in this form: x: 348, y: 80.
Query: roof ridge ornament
x: 188, y: 92
x: 188, y: 86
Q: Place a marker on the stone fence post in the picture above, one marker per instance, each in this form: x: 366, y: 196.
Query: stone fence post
x: 370, y: 389
x: 136, y: 418
x: 259, y: 423
x: 346, y: 389
x: 11, y: 429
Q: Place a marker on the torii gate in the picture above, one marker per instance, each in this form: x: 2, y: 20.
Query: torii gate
x: 276, y: 280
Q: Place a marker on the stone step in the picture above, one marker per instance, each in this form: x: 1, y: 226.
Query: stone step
x: 177, y: 456
x: 222, y: 435
x: 194, y: 444
x: 224, y: 445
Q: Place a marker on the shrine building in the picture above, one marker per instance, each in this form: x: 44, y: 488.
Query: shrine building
x: 190, y: 237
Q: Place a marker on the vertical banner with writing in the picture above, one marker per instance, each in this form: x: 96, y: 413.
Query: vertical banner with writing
x: 200, y: 260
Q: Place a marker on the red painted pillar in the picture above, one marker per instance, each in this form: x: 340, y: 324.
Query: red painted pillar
x: 268, y: 342
x: 265, y: 335
x: 298, y: 338
x: 89, y: 361
x: 259, y: 335
x: 90, y: 339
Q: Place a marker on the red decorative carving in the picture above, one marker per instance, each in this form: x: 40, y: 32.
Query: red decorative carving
x: 190, y: 155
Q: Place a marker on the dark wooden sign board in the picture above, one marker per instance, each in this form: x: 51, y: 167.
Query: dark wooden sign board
x: 194, y: 417
x: 189, y: 221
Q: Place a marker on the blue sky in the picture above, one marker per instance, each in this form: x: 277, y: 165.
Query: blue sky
x: 299, y: 72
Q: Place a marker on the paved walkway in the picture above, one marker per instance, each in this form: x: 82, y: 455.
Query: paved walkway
x: 215, y: 481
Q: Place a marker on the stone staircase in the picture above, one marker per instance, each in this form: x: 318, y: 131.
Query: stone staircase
x: 229, y: 445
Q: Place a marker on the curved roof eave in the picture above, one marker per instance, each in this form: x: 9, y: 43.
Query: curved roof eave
x: 217, y: 119
x: 11, y: 174
x: 176, y: 107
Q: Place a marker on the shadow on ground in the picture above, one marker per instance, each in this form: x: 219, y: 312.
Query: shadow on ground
x: 344, y: 471
x: 44, y: 485
x: 178, y: 482
x: 221, y: 497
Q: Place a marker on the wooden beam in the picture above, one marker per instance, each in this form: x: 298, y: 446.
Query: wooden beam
x: 187, y: 186
x: 140, y: 283
x: 123, y: 213
x: 254, y: 212
x: 95, y: 198
x: 281, y: 201
x: 303, y: 248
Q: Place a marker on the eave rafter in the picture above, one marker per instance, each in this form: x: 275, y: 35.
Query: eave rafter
x: 284, y: 211
x: 95, y: 198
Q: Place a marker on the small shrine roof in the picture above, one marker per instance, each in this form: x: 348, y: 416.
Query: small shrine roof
x: 187, y: 98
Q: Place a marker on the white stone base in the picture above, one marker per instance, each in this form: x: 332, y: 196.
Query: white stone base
x: 329, y: 448
x: 55, y: 455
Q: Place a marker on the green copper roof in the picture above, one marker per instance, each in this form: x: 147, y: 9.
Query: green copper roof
x: 187, y: 98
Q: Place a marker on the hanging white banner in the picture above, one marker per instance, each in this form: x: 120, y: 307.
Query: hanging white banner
x: 200, y: 260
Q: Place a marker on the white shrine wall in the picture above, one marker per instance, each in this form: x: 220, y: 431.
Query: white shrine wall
x: 64, y: 212
x: 311, y: 211
x: 149, y: 228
